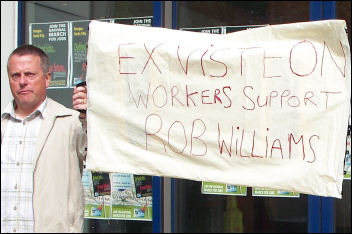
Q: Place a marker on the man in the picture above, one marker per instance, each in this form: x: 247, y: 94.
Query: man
x: 42, y: 149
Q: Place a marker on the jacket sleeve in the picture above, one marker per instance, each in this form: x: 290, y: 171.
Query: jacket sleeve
x: 81, y: 138
x: 81, y: 151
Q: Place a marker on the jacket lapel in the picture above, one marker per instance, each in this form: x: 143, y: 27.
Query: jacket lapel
x: 45, y: 129
x: 52, y: 112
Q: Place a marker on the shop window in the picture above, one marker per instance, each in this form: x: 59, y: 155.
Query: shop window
x: 66, y: 13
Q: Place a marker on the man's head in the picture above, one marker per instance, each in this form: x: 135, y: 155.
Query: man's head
x: 29, y: 76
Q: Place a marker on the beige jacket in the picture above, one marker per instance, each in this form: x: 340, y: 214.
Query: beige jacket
x: 58, y: 199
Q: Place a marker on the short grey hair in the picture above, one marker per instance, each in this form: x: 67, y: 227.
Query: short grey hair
x: 33, y: 50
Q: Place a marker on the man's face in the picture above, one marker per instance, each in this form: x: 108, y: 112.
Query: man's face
x: 27, y: 82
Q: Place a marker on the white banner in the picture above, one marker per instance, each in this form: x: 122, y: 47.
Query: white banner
x: 266, y: 107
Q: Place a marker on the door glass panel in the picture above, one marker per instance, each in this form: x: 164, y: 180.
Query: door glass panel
x: 342, y: 208
x: 343, y: 11
x: 224, y: 13
x: 197, y: 212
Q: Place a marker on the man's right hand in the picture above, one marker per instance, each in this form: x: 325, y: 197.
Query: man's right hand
x: 79, y: 99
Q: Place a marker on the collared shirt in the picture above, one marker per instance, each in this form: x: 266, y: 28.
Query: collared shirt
x: 17, y: 165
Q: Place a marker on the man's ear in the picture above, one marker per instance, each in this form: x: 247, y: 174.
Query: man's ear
x: 47, y: 79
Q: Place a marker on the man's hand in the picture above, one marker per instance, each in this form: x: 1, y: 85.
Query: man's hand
x: 79, y: 100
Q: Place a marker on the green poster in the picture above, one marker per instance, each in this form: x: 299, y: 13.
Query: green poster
x: 79, y: 51
x: 97, y: 207
x: 223, y: 189
x: 263, y: 192
x: 53, y: 39
x: 79, y: 48
x: 126, y: 212
x: 125, y: 203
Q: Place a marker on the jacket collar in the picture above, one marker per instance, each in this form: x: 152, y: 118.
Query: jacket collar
x: 10, y: 110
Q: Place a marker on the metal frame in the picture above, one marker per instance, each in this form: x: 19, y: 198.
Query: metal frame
x: 157, y: 183
x: 20, y: 22
x: 321, y: 209
x: 327, y: 204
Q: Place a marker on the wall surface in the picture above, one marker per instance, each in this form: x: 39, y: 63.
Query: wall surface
x: 9, y: 18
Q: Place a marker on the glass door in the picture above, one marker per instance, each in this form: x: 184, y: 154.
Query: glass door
x: 194, y: 210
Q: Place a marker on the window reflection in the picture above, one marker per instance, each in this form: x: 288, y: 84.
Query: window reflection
x: 225, y: 13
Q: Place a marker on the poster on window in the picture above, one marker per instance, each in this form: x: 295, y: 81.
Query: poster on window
x: 79, y: 37
x: 53, y: 39
x: 222, y: 29
x: 127, y: 203
x: 101, y: 183
x: 121, y: 202
x: 264, y: 192
x: 95, y: 207
x: 79, y: 32
x: 212, y: 30
x: 223, y: 189
x: 146, y: 21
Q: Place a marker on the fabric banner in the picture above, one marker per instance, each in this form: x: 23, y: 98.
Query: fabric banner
x: 266, y: 107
